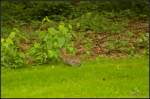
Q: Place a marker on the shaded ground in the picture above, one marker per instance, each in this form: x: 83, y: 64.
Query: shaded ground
x: 137, y: 27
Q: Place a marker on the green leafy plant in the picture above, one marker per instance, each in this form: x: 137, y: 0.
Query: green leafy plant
x: 51, y: 42
x: 142, y: 43
x: 121, y: 46
x: 11, y: 57
x: 98, y: 23
x: 143, y: 40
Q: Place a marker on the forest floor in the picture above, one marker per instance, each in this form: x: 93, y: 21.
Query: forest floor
x: 103, y: 77
x: 137, y: 27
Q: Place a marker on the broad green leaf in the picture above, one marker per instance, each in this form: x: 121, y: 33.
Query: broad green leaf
x: 52, y: 31
x: 61, y: 41
x: 36, y: 45
x: 70, y: 27
x: 63, y: 29
x: 50, y: 53
x: 9, y: 41
x: 12, y: 35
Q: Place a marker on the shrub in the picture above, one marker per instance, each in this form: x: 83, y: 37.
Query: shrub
x: 99, y: 23
x: 11, y: 57
x: 51, y: 42
x: 142, y: 43
x: 46, y: 49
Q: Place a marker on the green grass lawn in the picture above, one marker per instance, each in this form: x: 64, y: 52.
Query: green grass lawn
x: 104, y: 77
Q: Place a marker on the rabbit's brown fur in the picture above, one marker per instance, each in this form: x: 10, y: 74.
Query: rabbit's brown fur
x: 68, y: 59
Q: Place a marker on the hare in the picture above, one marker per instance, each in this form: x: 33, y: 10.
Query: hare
x: 70, y: 60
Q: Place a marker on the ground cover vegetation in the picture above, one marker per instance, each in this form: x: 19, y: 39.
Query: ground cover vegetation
x: 38, y: 30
